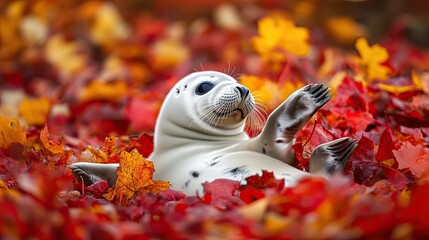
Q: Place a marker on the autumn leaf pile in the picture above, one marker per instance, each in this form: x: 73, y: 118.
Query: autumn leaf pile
x: 84, y: 81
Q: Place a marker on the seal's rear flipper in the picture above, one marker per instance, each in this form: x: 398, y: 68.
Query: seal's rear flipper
x: 90, y: 173
x: 332, y: 156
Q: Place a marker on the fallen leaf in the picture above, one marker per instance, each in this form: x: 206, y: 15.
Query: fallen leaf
x: 35, y: 111
x: 372, y: 58
x: 11, y: 132
x: 396, y: 89
x: 278, y: 34
x: 134, y: 176
x: 49, y: 144
x: 109, y: 91
x: 412, y: 157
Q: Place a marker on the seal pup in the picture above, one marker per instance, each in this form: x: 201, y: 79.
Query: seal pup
x: 199, y: 136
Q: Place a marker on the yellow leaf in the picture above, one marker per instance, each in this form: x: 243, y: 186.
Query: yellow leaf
x: 255, y: 210
x: 278, y: 34
x: 372, y: 58
x: 267, y: 92
x: 134, y: 176
x: 168, y: 53
x: 404, y: 197
x: 64, y: 54
x: 417, y: 80
x: 3, y: 185
x: 49, y: 144
x: 275, y: 224
x: 108, y: 24
x: 35, y: 111
x: 98, y: 90
x: 11, y: 132
x: 395, y: 89
x: 107, y: 151
x: 344, y: 29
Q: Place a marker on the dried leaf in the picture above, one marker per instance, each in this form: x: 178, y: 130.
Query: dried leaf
x: 134, y: 177
x: 35, y: 111
x: 11, y: 132
x: 49, y: 144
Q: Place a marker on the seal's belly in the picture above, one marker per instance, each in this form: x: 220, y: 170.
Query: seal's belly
x: 188, y: 174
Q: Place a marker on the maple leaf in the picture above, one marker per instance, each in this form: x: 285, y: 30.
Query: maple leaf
x: 268, y: 92
x: 11, y: 132
x: 49, y: 144
x: 385, y: 146
x: 168, y: 53
x: 277, y: 34
x: 64, y: 55
x: 372, y: 58
x: 412, y: 157
x: 107, y: 154
x: 344, y: 29
x: 222, y: 193
x: 134, y: 176
x: 109, y: 91
x: 143, y: 144
x: 35, y: 111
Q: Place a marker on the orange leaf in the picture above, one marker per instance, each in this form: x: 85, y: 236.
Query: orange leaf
x: 110, y: 91
x: 49, y: 144
x: 34, y: 111
x: 396, y: 89
x: 134, y: 176
x: 11, y: 132
x: 104, y: 155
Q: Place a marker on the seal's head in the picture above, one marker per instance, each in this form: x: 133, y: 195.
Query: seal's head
x: 207, y: 102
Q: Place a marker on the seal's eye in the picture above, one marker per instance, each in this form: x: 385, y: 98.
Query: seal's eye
x: 203, y: 88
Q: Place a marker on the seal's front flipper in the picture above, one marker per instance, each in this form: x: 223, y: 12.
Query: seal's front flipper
x: 332, y: 156
x: 285, y: 121
x: 90, y: 173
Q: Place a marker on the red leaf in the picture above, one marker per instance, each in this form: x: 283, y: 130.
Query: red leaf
x: 221, y: 188
x: 363, y: 165
x: 251, y: 194
x: 97, y: 189
x: 357, y: 102
x: 395, y: 177
x: 172, y: 195
x: 413, y: 157
x: 416, y: 212
x: 266, y: 180
x: 299, y: 151
x: 385, y: 146
x: 222, y: 193
x: 144, y: 145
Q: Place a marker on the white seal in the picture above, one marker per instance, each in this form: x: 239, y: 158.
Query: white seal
x: 200, y: 137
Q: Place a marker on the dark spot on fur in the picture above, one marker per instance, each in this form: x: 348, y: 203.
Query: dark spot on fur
x: 185, y: 86
x: 279, y: 141
x: 177, y: 90
x: 214, y: 161
x: 195, y: 174
x: 186, y: 185
x: 237, y: 171
x: 264, y: 149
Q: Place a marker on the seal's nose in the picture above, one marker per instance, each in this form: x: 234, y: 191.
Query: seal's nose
x: 244, y: 91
